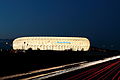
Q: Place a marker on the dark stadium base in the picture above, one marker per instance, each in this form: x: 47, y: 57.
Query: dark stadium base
x: 14, y: 63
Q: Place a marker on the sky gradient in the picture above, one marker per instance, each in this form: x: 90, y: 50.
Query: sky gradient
x: 98, y: 20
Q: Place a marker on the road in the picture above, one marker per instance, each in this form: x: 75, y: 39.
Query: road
x: 105, y: 71
x: 100, y: 70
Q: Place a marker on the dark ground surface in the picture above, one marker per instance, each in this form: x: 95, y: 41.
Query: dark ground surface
x: 13, y: 63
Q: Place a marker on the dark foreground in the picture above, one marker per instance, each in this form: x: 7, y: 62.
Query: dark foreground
x: 14, y: 63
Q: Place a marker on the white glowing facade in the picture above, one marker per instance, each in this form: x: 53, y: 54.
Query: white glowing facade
x: 51, y: 43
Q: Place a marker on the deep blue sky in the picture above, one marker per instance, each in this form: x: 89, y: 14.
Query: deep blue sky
x: 98, y: 20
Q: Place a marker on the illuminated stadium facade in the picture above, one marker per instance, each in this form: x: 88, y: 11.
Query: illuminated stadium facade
x: 52, y: 43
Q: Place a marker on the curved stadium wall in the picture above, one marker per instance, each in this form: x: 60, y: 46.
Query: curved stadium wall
x: 52, y: 43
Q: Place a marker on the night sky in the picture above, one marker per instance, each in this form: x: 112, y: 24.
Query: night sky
x: 98, y: 20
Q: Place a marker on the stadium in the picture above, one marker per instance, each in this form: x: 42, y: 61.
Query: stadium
x: 52, y: 43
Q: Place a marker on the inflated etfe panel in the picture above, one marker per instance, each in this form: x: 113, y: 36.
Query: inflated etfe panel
x: 52, y: 43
